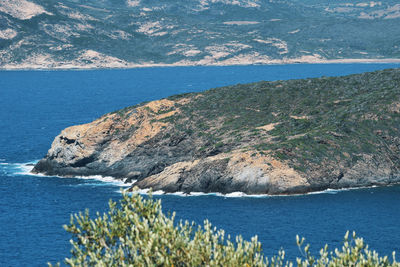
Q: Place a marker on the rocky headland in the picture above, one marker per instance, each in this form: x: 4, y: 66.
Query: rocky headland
x: 281, y: 137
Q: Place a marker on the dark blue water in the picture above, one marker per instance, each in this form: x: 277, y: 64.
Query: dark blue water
x: 36, y: 105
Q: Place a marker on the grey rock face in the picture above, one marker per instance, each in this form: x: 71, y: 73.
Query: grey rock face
x: 283, y: 137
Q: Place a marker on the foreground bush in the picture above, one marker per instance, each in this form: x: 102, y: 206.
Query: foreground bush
x: 137, y: 233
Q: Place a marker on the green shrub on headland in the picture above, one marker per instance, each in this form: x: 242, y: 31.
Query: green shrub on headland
x: 136, y: 232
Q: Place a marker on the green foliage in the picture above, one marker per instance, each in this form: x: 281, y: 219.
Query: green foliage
x: 353, y: 253
x: 136, y: 232
x: 121, y: 34
x: 324, y: 122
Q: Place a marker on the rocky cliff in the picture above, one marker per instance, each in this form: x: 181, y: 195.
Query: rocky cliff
x: 278, y: 137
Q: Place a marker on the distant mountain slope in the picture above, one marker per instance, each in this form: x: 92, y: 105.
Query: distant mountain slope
x: 105, y: 33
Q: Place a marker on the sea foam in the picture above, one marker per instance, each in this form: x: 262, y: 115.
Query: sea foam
x: 26, y: 168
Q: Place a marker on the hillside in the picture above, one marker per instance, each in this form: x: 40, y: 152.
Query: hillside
x: 92, y: 34
x: 277, y: 137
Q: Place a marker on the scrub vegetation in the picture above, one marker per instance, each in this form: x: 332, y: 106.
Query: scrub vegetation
x: 313, y: 121
x: 278, y: 137
x: 135, y: 232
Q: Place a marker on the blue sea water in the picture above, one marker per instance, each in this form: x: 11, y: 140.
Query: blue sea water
x: 36, y: 105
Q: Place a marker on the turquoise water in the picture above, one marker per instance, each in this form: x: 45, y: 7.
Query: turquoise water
x: 36, y: 105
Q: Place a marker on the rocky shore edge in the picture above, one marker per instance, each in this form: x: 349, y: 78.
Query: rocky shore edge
x: 130, y: 65
x: 228, y: 140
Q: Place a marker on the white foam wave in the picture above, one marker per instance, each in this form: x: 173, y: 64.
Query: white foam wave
x: 195, y: 194
x: 327, y: 191
x: 158, y: 193
x: 199, y: 194
x: 244, y: 195
x: 229, y: 195
x: 18, y: 168
x: 236, y: 194
x: 26, y: 168
x: 104, y: 179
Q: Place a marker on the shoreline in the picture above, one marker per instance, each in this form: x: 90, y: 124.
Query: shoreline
x: 26, y: 169
x: 30, y: 67
x: 248, y: 171
x: 238, y: 194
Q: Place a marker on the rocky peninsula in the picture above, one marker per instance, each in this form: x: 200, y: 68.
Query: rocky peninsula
x: 281, y: 137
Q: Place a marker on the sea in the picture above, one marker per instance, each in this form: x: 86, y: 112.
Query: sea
x: 36, y: 105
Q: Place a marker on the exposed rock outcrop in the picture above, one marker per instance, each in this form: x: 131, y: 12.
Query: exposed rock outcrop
x: 87, y: 34
x: 263, y: 138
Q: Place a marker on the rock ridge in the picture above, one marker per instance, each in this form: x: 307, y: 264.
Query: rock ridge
x: 283, y: 137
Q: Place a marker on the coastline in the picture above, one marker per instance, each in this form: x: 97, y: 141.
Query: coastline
x: 174, y: 158
x: 238, y: 194
x: 25, y: 169
x: 77, y: 67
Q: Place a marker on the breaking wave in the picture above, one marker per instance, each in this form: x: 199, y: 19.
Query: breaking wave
x: 13, y: 169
